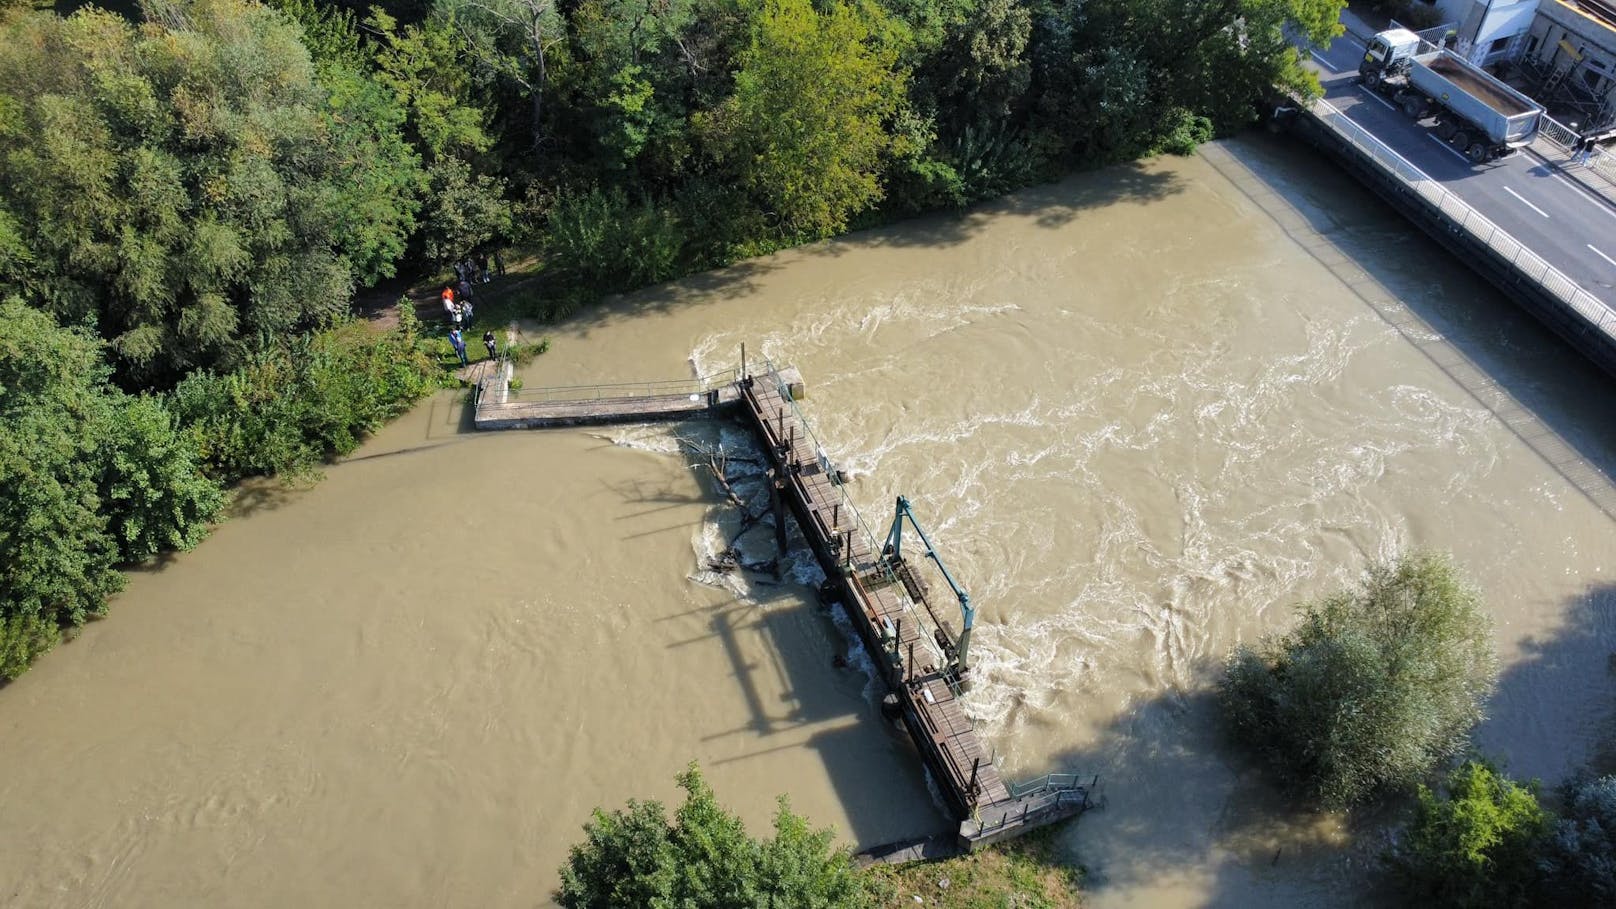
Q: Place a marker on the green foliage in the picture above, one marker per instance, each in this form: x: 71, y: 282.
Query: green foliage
x: 465, y: 210
x: 297, y: 404
x: 193, y: 185
x: 1373, y: 687
x: 423, y: 65
x: 602, y: 241
x: 90, y: 478
x: 1578, y: 858
x: 153, y: 492
x: 1475, y: 846
x: 804, y: 129
x: 703, y: 859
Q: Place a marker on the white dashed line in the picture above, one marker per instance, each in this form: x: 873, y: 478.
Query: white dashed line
x: 1448, y: 148
x: 1526, y: 203
x: 1325, y: 63
x: 1601, y: 255
x: 1548, y: 170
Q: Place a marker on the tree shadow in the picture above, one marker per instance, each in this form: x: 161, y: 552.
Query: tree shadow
x: 1554, y: 713
x: 1185, y: 817
x: 1535, y: 383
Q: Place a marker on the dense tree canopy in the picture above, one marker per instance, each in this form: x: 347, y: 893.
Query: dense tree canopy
x: 190, y: 185
x: 703, y: 859
x: 90, y: 479
x: 1373, y: 687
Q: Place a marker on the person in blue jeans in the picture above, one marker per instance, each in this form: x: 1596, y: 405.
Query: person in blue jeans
x: 459, y: 345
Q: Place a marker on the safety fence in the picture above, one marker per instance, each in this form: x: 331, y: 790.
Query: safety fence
x: 698, y: 385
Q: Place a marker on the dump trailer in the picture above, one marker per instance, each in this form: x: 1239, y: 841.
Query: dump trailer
x: 1475, y: 113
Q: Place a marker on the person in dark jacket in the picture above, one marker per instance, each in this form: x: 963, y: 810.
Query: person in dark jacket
x: 488, y: 342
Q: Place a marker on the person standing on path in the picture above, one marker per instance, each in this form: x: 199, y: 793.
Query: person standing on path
x: 465, y: 313
x: 488, y: 342
x: 1585, y: 150
x: 449, y: 310
x: 459, y: 344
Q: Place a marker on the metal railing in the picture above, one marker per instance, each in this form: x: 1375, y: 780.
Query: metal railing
x: 1047, y: 782
x: 1472, y: 222
x: 697, y: 385
x: 880, y: 568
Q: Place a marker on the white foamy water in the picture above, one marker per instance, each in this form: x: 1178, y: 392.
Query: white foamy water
x: 1137, y: 411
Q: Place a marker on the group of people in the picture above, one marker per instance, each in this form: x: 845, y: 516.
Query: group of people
x: 457, y: 301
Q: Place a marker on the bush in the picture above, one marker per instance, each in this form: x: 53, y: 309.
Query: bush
x: 1476, y: 845
x: 304, y: 401
x: 703, y: 858
x: 1372, y: 689
x: 600, y: 242
x: 1579, y: 856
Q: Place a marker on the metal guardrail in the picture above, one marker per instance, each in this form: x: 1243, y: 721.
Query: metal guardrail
x: 880, y: 568
x: 696, y: 385
x: 1471, y: 221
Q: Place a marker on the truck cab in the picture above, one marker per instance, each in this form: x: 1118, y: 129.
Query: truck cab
x: 1389, y: 52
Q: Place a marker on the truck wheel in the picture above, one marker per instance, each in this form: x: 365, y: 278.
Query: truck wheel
x: 1477, y: 153
x: 1445, y: 130
x: 1413, y: 107
x: 1461, y: 139
x: 1372, y: 79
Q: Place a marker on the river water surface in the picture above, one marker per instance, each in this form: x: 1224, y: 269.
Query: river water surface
x: 1141, y: 412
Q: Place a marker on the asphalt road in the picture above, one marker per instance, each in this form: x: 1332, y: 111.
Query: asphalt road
x: 1573, y: 229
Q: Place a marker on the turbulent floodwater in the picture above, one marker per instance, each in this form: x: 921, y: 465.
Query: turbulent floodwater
x: 1141, y: 412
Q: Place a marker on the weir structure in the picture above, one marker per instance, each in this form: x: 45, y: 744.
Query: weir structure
x: 922, y: 661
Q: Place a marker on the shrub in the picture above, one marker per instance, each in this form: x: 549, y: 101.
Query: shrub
x: 1372, y: 689
x: 599, y: 241
x: 703, y: 859
x: 299, y: 403
x: 1474, y: 846
x: 1579, y: 856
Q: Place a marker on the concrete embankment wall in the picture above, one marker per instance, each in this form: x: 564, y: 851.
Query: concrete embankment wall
x: 1531, y: 294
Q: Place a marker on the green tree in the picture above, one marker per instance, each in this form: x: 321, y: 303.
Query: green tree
x: 805, y: 128
x: 424, y: 67
x: 1373, y: 687
x: 90, y: 478
x: 1579, y: 857
x: 467, y: 210
x: 704, y: 859
x: 1474, y: 847
x: 190, y: 185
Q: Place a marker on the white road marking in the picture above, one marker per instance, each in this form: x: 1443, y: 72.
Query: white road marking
x: 1601, y: 255
x: 1548, y: 169
x: 1325, y: 63
x: 1526, y: 203
x: 1377, y: 97
x: 1448, y: 148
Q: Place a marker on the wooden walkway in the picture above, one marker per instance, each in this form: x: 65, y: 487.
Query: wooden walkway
x: 912, y: 649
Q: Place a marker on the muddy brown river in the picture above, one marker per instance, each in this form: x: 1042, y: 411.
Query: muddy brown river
x: 1141, y: 412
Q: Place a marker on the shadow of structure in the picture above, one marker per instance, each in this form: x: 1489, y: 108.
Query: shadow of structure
x: 1532, y: 381
x: 800, y: 682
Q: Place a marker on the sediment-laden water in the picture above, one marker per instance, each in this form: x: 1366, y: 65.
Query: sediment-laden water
x: 1141, y: 412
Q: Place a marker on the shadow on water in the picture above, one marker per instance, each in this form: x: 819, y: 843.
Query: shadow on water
x: 790, y: 663
x: 1051, y: 205
x: 1185, y: 817
x: 1534, y: 382
x: 1554, y: 712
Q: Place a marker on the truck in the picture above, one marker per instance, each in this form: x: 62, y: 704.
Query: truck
x: 1475, y: 113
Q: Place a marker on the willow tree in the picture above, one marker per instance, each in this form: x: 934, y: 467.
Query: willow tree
x: 1373, y: 688
x: 189, y: 186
